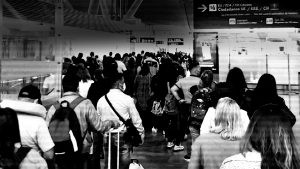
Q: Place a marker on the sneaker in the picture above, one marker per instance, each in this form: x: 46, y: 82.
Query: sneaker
x: 154, y: 130
x: 187, y: 158
x: 170, y: 144
x: 178, y: 148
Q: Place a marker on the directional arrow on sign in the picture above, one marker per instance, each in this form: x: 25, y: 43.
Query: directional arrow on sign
x: 203, y: 7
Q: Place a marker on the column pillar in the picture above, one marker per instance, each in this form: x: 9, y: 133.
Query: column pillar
x: 59, y: 23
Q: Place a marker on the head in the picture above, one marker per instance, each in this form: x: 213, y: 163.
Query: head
x: 207, y: 78
x: 74, y: 59
x: 145, y: 69
x: 110, y: 67
x: 65, y: 67
x: 70, y: 83
x: 194, y: 68
x: 92, y: 54
x: 80, y: 55
x: 139, y: 60
x: 266, y: 86
x: 9, y: 131
x: 236, y: 79
x: 270, y: 133
x: 228, y: 120
x: 131, y: 62
x: 98, y: 75
x: 30, y: 93
x: 83, y: 73
x: 118, y: 82
x: 117, y: 56
x: 67, y: 60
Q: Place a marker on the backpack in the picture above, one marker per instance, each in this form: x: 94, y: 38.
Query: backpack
x: 200, y: 103
x: 64, y: 127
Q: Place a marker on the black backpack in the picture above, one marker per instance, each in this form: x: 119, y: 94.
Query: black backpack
x: 200, y: 103
x: 64, y: 127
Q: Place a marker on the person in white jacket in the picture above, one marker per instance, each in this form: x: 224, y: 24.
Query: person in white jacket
x: 34, y: 132
x: 209, y: 119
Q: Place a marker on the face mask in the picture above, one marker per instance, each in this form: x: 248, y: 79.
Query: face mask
x: 123, y: 87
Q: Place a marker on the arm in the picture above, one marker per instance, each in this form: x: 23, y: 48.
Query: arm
x: 206, y: 124
x: 94, y: 119
x: 44, y: 141
x: 48, y: 155
x: 136, y: 119
x: 288, y: 113
x: 195, y: 162
x: 174, y: 90
x: 135, y: 84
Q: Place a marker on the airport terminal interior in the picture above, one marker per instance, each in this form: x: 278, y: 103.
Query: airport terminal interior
x: 258, y: 37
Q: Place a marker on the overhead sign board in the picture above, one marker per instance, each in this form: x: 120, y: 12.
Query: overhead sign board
x: 245, y: 13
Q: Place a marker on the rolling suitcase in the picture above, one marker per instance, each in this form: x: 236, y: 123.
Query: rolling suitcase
x: 109, y: 149
x: 134, y: 162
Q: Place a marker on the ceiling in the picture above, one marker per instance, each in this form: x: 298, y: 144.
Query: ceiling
x: 153, y: 12
x: 166, y: 12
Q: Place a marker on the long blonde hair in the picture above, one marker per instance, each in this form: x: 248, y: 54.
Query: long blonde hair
x: 228, y: 120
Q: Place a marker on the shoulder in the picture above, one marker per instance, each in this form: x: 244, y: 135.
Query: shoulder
x: 204, y: 138
x: 233, y: 161
x: 36, y: 120
x: 252, y: 159
x: 236, y: 157
x: 243, y: 112
x: 211, y: 110
x: 87, y: 102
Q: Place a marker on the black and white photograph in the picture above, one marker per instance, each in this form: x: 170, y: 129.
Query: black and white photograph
x: 149, y: 84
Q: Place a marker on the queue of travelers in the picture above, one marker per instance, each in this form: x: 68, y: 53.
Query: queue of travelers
x: 230, y: 125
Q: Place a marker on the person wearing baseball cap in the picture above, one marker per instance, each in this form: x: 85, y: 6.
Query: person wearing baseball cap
x: 30, y: 92
x: 33, y: 129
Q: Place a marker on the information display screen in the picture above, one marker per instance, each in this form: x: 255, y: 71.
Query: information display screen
x: 245, y: 13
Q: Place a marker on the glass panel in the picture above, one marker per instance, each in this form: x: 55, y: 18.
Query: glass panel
x: 248, y: 55
x: 29, y: 47
x: 278, y: 67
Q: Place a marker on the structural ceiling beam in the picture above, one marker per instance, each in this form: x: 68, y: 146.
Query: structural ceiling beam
x: 133, y: 8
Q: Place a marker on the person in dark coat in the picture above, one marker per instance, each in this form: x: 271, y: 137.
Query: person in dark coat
x: 235, y: 87
x: 266, y: 93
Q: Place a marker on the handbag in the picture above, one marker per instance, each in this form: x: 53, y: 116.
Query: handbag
x: 156, y: 108
x: 170, y: 106
x: 131, y: 136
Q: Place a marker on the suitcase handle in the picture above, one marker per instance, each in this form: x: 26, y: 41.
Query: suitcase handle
x: 109, y: 149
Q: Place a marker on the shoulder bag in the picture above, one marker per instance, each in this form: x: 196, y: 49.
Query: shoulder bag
x: 131, y: 136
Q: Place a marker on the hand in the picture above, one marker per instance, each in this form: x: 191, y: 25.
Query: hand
x: 143, y: 138
x: 108, y: 124
x: 181, y: 101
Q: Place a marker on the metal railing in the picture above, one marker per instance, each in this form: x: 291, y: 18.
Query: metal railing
x: 11, y: 88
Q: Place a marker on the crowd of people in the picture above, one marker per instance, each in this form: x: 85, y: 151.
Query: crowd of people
x: 230, y: 125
